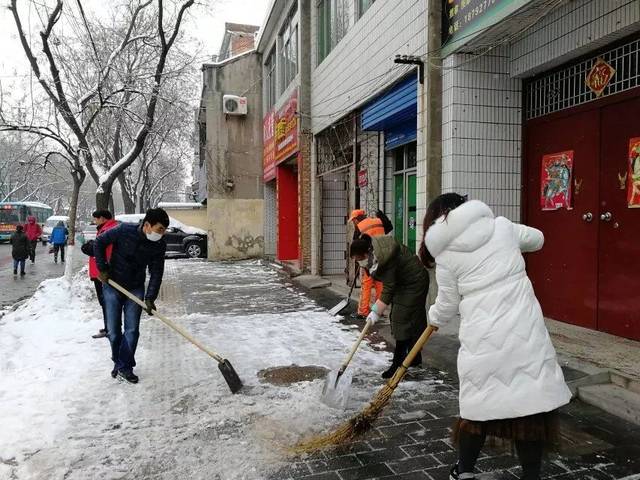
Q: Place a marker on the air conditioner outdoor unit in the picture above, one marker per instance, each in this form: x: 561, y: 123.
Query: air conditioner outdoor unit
x: 234, y: 105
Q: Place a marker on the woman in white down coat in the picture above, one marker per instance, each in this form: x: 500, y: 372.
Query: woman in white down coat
x: 510, y: 381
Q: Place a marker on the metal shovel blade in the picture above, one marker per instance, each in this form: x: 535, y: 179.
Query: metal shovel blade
x: 339, y: 307
x: 337, y: 389
x: 230, y: 376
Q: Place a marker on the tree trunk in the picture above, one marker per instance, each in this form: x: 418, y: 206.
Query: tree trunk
x: 78, y: 179
x: 129, y: 202
x: 141, y: 201
x: 103, y: 196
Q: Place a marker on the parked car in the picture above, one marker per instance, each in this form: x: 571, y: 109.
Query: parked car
x: 181, y: 239
x: 89, y: 232
x: 50, y: 224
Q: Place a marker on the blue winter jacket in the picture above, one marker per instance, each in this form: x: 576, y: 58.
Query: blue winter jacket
x: 59, y: 235
x: 132, y: 255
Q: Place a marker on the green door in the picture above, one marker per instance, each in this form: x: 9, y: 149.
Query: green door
x: 411, y: 212
x: 398, y: 202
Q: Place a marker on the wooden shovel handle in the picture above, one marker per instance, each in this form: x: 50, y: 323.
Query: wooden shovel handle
x: 167, y: 322
x: 402, y: 369
x: 354, y: 349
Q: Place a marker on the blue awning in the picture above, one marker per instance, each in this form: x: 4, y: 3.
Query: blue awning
x: 397, y: 106
x: 400, y: 135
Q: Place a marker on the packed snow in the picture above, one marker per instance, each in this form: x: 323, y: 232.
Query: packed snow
x: 65, y: 417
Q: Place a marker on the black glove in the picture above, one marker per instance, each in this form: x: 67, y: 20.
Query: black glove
x: 103, y: 275
x: 150, y: 306
x: 87, y: 248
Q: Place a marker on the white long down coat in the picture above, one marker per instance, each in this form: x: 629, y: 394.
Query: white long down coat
x: 506, y: 363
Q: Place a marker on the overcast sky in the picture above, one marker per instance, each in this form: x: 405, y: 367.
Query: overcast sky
x: 206, y: 24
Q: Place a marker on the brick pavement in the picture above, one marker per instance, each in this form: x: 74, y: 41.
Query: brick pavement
x: 412, y: 440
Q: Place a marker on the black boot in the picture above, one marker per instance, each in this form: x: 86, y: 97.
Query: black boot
x: 129, y: 376
x: 15, y: 272
x: 454, y: 475
x: 114, y: 372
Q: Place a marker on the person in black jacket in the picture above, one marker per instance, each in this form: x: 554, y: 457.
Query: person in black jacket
x: 135, y: 248
x: 20, y: 248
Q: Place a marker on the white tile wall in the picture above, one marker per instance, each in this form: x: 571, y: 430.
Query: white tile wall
x: 572, y: 30
x: 361, y: 65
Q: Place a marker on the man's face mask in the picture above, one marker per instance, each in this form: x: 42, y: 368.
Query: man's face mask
x: 367, y: 262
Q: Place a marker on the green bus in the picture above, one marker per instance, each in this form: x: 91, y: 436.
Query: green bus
x: 16, y: 213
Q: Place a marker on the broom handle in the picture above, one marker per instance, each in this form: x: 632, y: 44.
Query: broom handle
x: 353, y: 284
x: 168, y: 322
x: 402, y: 370
x: 354, y: 349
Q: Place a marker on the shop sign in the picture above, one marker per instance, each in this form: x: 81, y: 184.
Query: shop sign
x: 460, y: 15
x: 556, y: 175
x: 599, y: 76
x: 269, y: 146
x: 286, y: 129
x: 633, y: 174
x: 362, y: 179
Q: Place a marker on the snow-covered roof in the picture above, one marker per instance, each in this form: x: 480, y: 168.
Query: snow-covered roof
x: 30, y: 204
x: 58, y: 217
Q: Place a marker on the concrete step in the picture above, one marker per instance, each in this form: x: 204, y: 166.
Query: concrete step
x: 613, y: 399
x: 628, y: 383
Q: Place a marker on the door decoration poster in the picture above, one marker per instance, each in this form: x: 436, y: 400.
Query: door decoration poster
x: 557, y: 174
x: 633, y: 174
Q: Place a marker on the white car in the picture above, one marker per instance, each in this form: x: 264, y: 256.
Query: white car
x: 50, y: 224
x: 89, y: 232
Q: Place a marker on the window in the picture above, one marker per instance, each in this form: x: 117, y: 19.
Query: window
x: 270, y: 80
x: 288, y: 51
x: 334, y: 17
x: 324, y: 29
x: 363, y: 6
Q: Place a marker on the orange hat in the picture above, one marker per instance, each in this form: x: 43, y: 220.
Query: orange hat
x: 357, y: 213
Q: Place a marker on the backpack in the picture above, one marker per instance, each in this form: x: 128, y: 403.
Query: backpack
x: 386, y: 223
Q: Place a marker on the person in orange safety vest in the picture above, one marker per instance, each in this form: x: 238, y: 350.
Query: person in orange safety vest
x: 372, y: 227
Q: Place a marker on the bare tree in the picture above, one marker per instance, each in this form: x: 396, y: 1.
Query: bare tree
x: 83, y: 84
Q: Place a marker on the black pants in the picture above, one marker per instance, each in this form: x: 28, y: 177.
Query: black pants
x: 32, y: 249
x: 98, y: 285
x: 403, y: 347
x: 529, y: 454
x: 58, y: 248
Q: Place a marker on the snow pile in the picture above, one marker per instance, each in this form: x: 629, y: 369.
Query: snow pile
x: 63, y: 415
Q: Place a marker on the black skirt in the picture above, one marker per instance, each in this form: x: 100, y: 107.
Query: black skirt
x: 541, y: 427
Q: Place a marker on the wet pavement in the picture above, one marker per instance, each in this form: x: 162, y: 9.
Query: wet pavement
x: 16, y: 288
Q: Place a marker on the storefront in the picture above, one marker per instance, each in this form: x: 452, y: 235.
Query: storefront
x: 394, y: 113
x: 582, y: 172
x: 281, y: 168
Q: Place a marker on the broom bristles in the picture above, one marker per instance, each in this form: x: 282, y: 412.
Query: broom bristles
x: 351, y: 429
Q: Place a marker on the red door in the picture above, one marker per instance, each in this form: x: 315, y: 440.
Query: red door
x: 619, y: 259
x: 565, y: 272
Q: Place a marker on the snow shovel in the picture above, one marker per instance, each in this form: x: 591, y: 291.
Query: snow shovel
x: 343, y: 303
x: 337, y: 384
x: 228, y: 372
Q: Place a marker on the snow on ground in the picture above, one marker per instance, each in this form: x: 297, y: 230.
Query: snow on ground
x: 64, y: 417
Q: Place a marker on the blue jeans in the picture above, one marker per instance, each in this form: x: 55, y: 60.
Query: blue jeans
x: 123, y: 344
x: 20, y: 263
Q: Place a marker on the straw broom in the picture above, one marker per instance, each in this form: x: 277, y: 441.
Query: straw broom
x: 363, y: 422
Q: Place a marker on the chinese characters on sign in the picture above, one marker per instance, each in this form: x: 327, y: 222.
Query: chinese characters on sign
x: 556, y: 179
x: 287, y: 129
x: 633, y: 174
x: 599, y: 76
x: 269, y: 146
x: 457, y: 15
x: 280, y: 136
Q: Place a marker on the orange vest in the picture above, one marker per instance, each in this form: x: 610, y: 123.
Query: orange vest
x: 371, y: 226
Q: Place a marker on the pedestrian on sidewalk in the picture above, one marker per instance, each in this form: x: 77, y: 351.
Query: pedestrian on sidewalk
x: 103, y: 220
x: 58, y: 238
x: 510, y: 382
x: 405, y: 285
x: 373, y: 227
x: 135, y: 248
x: 33, y: 232
x: 20, y: 248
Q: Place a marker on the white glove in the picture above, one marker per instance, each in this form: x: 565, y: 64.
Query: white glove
x: 373, y: 317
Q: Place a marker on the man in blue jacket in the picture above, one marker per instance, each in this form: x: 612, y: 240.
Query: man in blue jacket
x: 59, y: 237
x: 135, y: 248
